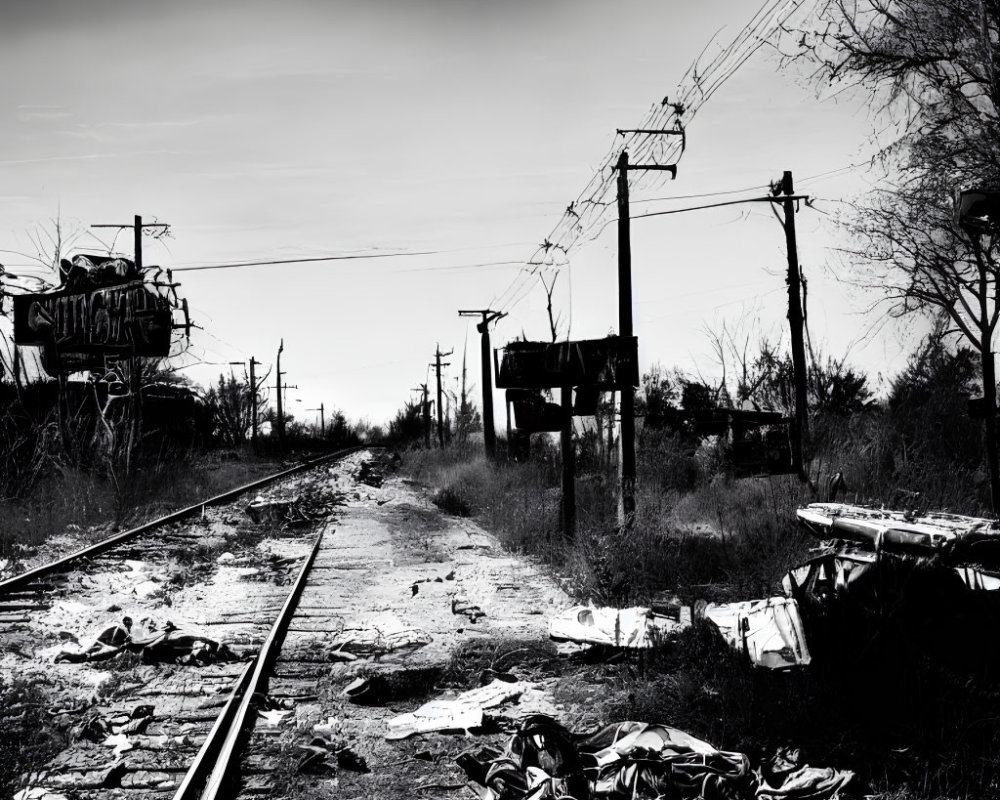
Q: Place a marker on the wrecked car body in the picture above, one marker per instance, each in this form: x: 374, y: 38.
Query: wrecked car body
x: 889, y: 580
x: 879, y: 574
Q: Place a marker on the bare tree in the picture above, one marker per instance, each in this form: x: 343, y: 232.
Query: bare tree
x: 928, y: 68
x: 549, y: 288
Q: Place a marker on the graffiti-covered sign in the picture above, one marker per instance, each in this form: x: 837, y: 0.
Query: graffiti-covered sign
x: 83, y: 326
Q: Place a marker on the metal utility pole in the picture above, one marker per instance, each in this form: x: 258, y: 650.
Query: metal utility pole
x: 800, y: 432
x: 437, y: 367
x: 489, y: 430
x: 625, y: 318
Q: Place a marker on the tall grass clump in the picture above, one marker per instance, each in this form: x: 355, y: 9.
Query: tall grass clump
x: 517, y: 501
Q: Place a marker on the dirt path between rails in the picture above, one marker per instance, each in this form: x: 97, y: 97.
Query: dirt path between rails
x: 429, y: 605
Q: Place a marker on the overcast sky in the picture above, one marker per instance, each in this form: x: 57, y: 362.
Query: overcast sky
x: 269, y: 131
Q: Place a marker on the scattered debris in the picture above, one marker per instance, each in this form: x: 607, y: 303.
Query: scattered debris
x: 108, y: 728
x: 385, y: 633
x: 769, y: 631
x: 459, y: 605
x: 165, y: 644
x: 461, y: 713
x: 628, y: 760
x: 636, y: 627
x: 322, y: 747
x: 312, y: 504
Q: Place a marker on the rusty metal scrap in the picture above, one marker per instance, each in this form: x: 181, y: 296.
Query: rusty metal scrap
x: 952, y: 538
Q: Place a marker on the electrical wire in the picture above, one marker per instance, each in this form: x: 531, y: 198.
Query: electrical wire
x: 237, y: 265
x: 585, y: 217
x: 318, y: 259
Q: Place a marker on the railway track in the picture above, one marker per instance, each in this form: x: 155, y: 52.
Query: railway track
x: 211, y: 594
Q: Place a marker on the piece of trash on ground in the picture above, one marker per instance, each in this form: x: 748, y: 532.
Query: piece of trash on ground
x: 769, y: 631
x: 326, y: 752
x: 461, y: 713
x: 636, y: 627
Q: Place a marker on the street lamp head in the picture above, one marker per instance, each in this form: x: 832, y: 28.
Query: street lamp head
x: 977, y: 211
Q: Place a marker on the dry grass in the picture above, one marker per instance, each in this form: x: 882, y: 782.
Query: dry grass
x: 91, y: 505
x: 911, y: 705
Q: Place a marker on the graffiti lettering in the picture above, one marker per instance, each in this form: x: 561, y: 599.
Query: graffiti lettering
x: 127, y: 318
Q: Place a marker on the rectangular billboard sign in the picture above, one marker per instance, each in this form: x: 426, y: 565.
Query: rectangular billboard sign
x: 80, y: 326
x: 605, y: 364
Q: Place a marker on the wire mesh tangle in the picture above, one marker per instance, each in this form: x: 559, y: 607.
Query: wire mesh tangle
x: 659, y: 139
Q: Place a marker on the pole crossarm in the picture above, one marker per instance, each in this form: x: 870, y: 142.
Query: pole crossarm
x: 488, y: 316
x: 667, y: 132
x: 671, y: 168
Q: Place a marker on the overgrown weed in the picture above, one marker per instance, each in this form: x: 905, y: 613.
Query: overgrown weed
x: 90, y: 501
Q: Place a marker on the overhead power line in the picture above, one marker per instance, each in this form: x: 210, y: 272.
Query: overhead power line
x: 586, y: 216
x: 317, y: 259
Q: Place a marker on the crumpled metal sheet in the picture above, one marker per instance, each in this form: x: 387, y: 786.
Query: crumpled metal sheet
x: 959, y: 538
x: 769, y: 631
x: 637, y: 627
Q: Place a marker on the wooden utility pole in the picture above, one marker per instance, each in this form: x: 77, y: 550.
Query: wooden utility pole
x: 625, y: 330
x: 252, y: 388
x: 425, y: 413
x: 437, y: 368
x: 135, y: 369
x: 800, y: 432
x: 568, y: 464
x: 281, y: 415
x: 486, y: 354
x: 322, y: 423
x: 253, y: 404
x: 625, y: 315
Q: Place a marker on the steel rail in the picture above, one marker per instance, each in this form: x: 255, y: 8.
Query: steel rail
x: 26, y: 578
x: 222, y: 773
x: 194, y: 779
